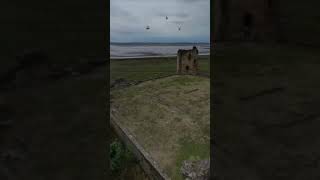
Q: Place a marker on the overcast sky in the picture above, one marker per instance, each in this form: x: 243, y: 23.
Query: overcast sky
x: 129, y: 18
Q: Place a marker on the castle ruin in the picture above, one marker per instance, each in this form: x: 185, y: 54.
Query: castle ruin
x: 187, y: 61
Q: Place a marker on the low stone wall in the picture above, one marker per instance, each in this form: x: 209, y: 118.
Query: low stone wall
x: 147, y: 163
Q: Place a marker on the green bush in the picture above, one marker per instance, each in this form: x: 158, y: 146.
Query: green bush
x: 119, y: 156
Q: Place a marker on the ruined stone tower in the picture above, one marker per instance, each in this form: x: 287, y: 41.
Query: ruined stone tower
x: 187, y: 61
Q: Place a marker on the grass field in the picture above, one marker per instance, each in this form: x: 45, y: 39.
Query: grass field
x: 134, y: 70
x: 148, y: 68
x: 169, y: 117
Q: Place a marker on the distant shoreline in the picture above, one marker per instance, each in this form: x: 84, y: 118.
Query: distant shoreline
x: 152, y: 50
x: 157, y: 43
x: 145, y: 57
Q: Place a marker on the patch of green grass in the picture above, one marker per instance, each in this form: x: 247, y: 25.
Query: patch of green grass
x: 120, y: 156
x: 148, y: 68
x: 178, y: 81
x: 145, y: 109
x: 190, y: 151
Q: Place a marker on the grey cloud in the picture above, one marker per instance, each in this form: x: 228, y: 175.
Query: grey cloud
x: 124, y: 31
x: 191, y: 1
x: 179, y: 14
x: 182, y: 15
x: 117, y: 11
x: 177, y: 22
x: 128, y: 20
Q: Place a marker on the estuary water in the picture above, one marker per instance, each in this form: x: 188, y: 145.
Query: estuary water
x: 143, y: 50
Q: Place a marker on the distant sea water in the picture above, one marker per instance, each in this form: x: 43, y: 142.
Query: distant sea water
x: 143, y: 50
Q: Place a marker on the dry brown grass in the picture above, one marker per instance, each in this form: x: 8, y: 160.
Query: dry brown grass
x: 167, y: 116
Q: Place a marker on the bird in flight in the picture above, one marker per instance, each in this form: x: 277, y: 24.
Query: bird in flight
x: 179, y: 28
x: 148, y: 27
